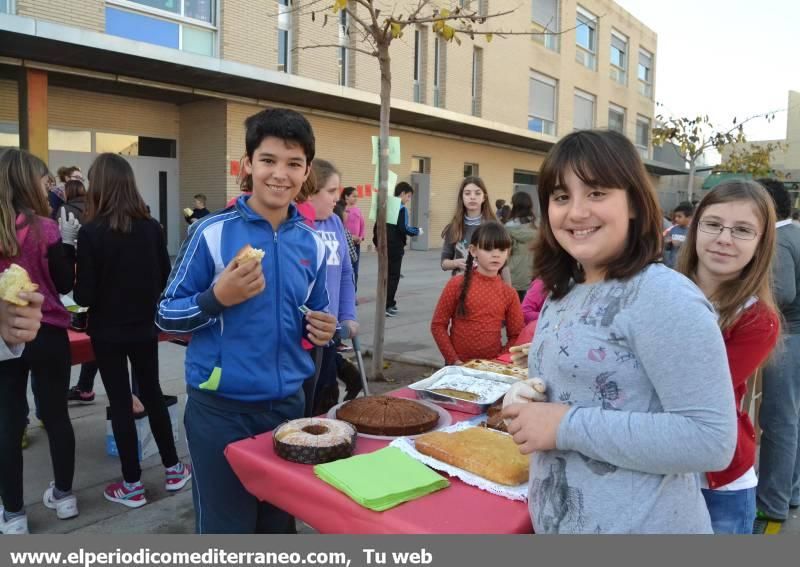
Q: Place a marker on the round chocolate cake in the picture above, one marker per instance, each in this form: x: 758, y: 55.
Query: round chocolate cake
x: 384, y: 415
x: 314, y: 440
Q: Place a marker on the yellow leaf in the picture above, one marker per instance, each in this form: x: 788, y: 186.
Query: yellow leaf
x: 444, y: 13
x: 448, y: 32
x: 397, y: 30
x: 339, y: 5
x: 489, y: 38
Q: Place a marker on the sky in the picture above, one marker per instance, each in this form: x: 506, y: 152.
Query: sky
x: 725, y: 58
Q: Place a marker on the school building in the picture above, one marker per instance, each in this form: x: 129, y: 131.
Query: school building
x: 168, y: 84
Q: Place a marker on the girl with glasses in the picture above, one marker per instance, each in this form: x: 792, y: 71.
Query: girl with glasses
x: 728, y: 254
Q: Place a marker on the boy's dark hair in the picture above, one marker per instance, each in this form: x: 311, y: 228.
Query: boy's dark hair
x: 403, y: 187
x: 684, y: 207
x: 201, y: 197
x: 499, y: 203
x: 282, y: 123
x: 783, y: 201
x: 489, y: 236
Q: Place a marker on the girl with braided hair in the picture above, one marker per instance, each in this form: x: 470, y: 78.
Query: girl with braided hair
x: 473, y: 307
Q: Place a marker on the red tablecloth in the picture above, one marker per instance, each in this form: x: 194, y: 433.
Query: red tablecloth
x: 458, y: 509
x: 80, y: 345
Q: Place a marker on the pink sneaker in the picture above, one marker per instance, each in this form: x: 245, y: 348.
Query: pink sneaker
x: 130, y: 495
x: 178, y: 476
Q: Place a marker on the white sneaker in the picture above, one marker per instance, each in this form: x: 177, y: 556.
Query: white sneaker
x: 17, y: 525
x: 65, y: 508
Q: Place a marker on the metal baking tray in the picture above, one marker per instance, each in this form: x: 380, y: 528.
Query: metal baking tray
x: 477, y: 407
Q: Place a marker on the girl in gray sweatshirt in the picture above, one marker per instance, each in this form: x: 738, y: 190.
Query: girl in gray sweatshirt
x: 640, y: 395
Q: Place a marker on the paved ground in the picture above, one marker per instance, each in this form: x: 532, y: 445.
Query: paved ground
x: 407, y: 338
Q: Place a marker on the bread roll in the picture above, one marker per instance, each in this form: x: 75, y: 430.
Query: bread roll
x: 14, y: 280
x: 249, y: 254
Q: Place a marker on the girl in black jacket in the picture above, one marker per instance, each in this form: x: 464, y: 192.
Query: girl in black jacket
x: 122, y: 267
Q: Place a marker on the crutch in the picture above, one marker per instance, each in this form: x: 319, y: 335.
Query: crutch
x: 360, y: 361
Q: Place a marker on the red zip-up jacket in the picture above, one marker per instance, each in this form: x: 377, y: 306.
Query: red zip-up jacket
x: 749, y: 343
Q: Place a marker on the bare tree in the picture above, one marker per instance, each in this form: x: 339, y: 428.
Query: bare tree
x: 377, y: 25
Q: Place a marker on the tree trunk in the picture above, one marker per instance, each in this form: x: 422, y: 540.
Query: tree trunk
x: 692, y: 170
x: 384, y: 63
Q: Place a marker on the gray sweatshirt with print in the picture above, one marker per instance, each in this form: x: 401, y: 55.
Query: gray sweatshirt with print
x: 643, y: 366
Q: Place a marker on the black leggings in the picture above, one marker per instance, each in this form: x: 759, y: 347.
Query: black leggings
x: 48, y: 357
x: 112, y: 361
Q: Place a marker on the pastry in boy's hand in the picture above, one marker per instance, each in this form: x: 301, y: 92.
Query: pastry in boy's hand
x: 187, y: 212
x: 525, y: 391
x: 249, y: 254
x: 14, y: 280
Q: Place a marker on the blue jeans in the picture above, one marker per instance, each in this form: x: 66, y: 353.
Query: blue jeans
x: 779, y: 465
x: 731, y: 511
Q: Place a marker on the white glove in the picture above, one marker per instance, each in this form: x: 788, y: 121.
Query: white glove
x: 69, y: 227
x: 421, y: 232
x: 525, y: 391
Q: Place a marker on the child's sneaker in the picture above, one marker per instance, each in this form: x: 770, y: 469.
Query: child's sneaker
x: 65, y: 508
x: 130, y: 495
x: 178, y: 476
x: 76, y: 395
x: 16, y: 525
x: 765, y: 525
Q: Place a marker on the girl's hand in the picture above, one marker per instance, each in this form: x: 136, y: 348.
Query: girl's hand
x: 321, y: 327
x: 20, y: 324
x: 534, y: 427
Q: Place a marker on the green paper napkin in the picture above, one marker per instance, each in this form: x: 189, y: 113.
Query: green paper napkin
x: 382, y: 479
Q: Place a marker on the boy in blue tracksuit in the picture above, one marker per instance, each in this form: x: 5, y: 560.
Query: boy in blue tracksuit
x: 245, y: 365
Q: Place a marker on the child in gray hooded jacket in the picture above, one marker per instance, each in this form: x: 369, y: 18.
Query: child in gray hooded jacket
x: 640, y: 392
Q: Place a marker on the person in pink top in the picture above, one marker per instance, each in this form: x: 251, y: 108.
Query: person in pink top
x: 30, y: 239
x: 534, y: 299
x: 354, y: 223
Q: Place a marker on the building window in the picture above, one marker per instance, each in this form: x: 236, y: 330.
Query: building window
x: 418, y: 65
x: 583, y: 118
x: 645, y: 73
x: 471, y: 170
x: 619, y: 58
x: 586, y: 38
x: 6, y: 7
x: 284, y: 36
x: 9, y: 135
x: 438, y: 99
x: 188, y: 25
x: 616, y: 118
x: 477, y: 80
x: 643, y: 136
x: 133, y: 145
x: 522, y: 177
x: 344, y: 53
x: 542, y: 96
x: 544, y: 16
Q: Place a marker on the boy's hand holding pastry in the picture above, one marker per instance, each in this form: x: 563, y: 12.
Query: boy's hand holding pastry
x: 242, y: 278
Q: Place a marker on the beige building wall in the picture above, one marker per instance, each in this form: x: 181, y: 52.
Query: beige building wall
x: 248, y: 34
x: 202, y: 152
x: 9, y: 104
x: 89, y: 14
x: 792, y: 156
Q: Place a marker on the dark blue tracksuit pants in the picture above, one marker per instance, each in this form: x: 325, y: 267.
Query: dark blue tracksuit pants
x: 221, y: 503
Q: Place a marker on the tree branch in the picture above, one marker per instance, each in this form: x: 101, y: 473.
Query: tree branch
x: 336, y: 45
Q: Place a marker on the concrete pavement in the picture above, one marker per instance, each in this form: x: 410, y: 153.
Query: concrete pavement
x: 408, y: 338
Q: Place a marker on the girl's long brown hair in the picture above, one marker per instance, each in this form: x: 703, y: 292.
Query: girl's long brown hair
x: 605, y: 159
x: 20, y: 193
x: 454, y: 231
x: 113, y: 198
x: 756, y: 276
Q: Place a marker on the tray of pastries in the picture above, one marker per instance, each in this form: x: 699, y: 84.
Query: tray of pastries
x: 463, y: 389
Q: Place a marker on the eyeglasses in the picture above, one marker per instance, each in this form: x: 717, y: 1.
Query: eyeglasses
x: 739, y: 232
